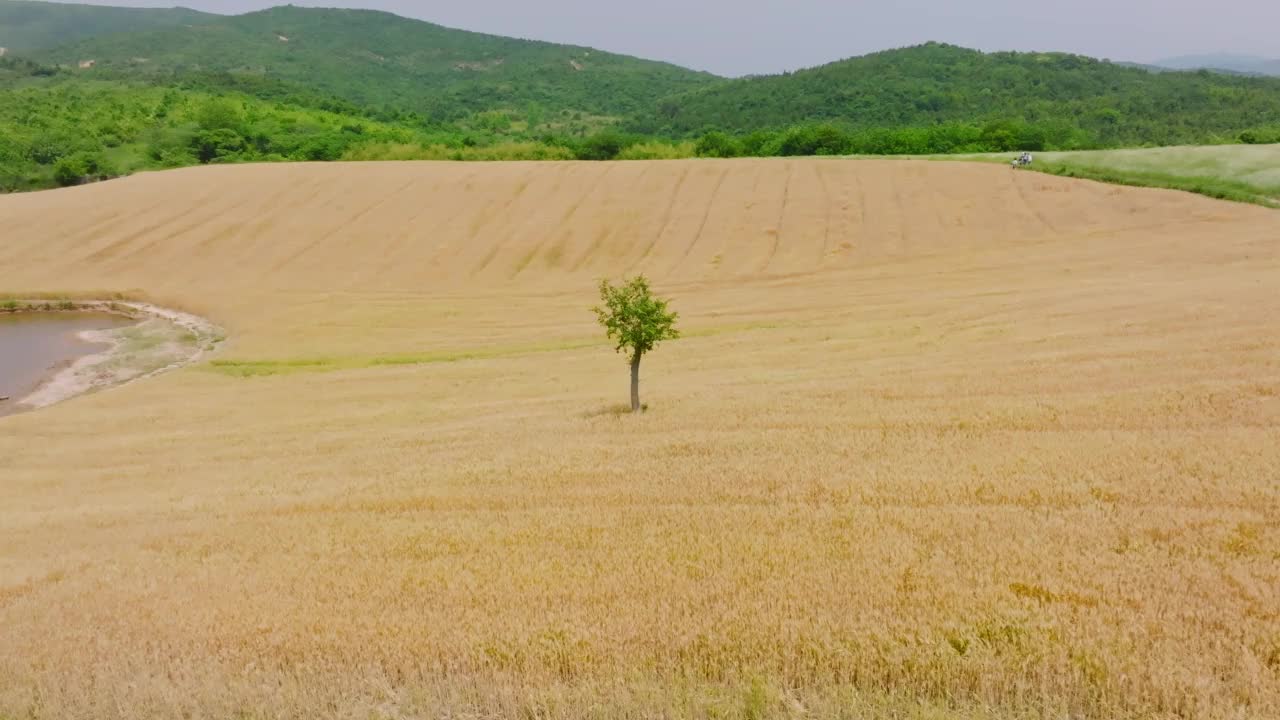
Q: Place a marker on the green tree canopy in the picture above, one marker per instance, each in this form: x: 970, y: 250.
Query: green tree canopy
x: 637, y: 321
x: 212, y: 145
x: 219, y: 114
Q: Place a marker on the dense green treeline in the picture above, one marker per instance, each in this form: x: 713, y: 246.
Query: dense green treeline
x: 57, y: 129
x: 944, y: 139
x: 834, y: 139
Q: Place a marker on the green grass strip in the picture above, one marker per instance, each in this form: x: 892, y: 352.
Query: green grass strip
x: 1219, y: 188
x: 267, y: 368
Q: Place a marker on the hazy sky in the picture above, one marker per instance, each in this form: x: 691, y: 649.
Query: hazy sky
x: 737, y: 37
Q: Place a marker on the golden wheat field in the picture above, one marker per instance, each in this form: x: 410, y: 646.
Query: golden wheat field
x: 940, y: 441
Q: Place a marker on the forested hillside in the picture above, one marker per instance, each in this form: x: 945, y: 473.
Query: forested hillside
x: 26, y: 26
x: 379, y: 60
x: 1076, y: 100
x: 133, y: 90
x: 61, y: 129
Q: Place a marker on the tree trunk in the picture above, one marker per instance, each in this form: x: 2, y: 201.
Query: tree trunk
x: 635, y: 383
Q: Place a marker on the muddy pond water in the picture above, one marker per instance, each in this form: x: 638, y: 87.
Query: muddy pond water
x: 35, y: 346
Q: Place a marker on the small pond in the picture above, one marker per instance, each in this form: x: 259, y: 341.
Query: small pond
x: 35, y: 346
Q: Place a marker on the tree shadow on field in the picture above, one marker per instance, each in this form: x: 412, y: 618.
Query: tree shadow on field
x: 619, y: 410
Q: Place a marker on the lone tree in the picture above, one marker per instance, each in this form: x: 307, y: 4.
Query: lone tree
x: 637, y: 320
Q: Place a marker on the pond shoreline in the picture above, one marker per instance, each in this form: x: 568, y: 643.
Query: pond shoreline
x: 35, y: 347
x: 159, y: 341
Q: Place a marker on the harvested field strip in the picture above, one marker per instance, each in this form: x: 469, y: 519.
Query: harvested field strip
x: 1239, y: 173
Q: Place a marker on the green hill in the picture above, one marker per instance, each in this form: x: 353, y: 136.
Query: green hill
x: 395, y: 69
x: 27, y: 26
x: 61, y: 128
x: 933, y: 84
x: 380, y: 60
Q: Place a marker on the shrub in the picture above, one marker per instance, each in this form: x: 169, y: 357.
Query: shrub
x: 607, y: 145
x: 516, y: 151
x: 48, y: 148
x: 1261, y: 136
x: 322, y: 148
x: 814, y: 140
x: 219, y: 114
x: 761, y: 143
x: 69, y: 171
x: 494, y: 121
x: 9, y: 151
x: 658, y: 150
x: 504, y: 151
x: 213, y: 145
x: 1001, y: 136
x: 718, y: 145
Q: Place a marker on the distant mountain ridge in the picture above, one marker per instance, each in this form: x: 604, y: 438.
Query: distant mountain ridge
x: 1244, y: 64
